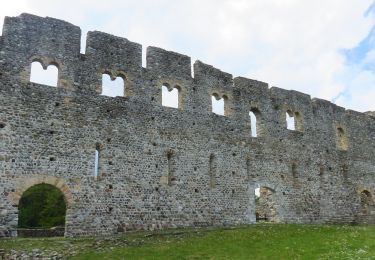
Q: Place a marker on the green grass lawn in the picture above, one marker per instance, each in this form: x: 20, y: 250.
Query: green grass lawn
x: 260, y: 241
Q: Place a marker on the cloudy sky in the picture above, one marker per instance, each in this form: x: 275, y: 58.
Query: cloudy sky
x: 325, y: 48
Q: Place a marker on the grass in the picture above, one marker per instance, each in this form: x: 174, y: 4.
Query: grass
x: 260, y: 241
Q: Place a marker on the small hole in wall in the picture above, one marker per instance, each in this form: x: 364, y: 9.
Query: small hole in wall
x: 282, y: 177
x: 51, y: 132
x: 57, y: 104
x: 193, y: 123
x: 234, y: 154
x: 12, y: 190
x: 109, y: 140
x: 154, y: 144
x: 233, y: 173
x: 156, y: 166
x: 195, y: 169
x: 330, y: 168
x: 152, y: 118
x: 110, y: 209
x: 110, y: 163
x: 110, y: 186
x: 157, y: 189
x: 194, y: 89
x: 2, y: 125
x: 13, y: 160
x: 158, y: 208
x: 52, y: 159
x: 233, y: 191
x: 196, y: 190
x: 283, y: 193
x: 152, y: 99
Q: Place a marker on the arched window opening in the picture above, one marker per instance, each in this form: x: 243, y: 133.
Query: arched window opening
x: 366, y: 202
x: 255, y: 123
x: 171, y: 169
x: 342, y: 140
x: 43, y: 76
x: 265, y: 206
x: 218, y: 104
x: 169, y: 97
x: 212, y: 171
x: 42, y: 206
x: 294, y: 170
x: 97, y: 161
x: 290, y: 120
x: 113, y: 87
x: 294, y: 121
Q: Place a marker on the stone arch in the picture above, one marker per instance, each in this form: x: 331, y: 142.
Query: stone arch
x: 256, y: 116
x: 366, y: 201
x: 49, y: 72
x: 113, y: 75
x: 170, y: 84
x: 25, y: 183
x: 219, y: 103
x: 341, y: 138
x: 265, y: 203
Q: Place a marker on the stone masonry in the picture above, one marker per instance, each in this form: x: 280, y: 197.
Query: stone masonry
x: 162, y: 167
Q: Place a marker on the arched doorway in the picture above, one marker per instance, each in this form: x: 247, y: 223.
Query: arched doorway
x: 366, y: 202
x: 42, y: 207
x: 265, y: 206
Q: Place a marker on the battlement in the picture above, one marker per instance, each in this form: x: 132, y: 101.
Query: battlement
x: 29, y: 38
x: 161, y: 166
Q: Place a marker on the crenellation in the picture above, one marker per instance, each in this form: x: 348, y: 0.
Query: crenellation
x: 164, y: 167
x: 112, y: 55
x: 29, y: 38
x: 168, y: 64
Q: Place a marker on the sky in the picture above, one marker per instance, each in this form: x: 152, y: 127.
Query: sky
x: 325, y: 48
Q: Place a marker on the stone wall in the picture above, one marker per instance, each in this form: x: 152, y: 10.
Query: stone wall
x: 163, y: 167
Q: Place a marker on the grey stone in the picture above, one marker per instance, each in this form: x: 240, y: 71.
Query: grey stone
x: 163, y: 167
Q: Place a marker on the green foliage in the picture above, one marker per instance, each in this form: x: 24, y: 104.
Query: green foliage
x: 258, y: 241
x: 43, y: 206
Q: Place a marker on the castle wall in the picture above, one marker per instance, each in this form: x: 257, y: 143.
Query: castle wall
x: 162, y: 167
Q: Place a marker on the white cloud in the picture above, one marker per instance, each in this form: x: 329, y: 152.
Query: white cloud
x: 293, y: 44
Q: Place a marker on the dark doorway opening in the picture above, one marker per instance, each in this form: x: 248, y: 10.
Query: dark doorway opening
x: 41, y: 211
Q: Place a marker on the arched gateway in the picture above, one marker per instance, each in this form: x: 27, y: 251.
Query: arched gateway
x: 43, y: 204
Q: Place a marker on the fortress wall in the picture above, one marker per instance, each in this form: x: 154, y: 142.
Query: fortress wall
x: 29, y: 38
x: 163, y: 167
x: 115, y: 56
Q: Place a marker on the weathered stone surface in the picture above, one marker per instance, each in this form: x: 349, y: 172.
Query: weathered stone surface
x: 162, y: 167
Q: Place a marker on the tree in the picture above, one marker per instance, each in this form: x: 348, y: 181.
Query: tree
x: 42, y: 206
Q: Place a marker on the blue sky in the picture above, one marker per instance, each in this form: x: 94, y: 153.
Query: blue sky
x: 324, y: 47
